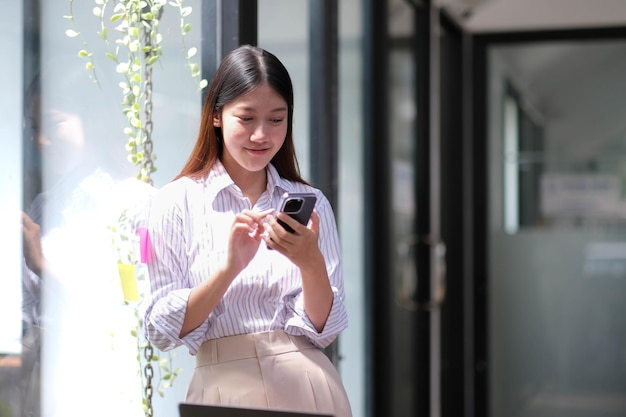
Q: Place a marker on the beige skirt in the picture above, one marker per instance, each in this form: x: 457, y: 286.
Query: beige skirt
x: 270, y: 370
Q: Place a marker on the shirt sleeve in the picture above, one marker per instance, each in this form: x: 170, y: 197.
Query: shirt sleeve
x: 31, y: 293
x: 168, y: 270
x: 297, y: 322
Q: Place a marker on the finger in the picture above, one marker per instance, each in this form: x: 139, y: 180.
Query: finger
x: 26, y: 220
x: 269, y: 235
x: 250, y: 217
x: 253, y: 219
x: 279, y: 236
x: 265, y: 212
x: 244, y: 222
x: 291, y: 222
x: 258, y: 216
x: 315, y: 221
x: 269, y: 242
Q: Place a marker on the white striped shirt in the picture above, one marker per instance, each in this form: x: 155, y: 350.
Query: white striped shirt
x: 189, y: 227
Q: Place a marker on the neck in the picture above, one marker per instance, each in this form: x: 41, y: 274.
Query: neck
x: 251, y: 184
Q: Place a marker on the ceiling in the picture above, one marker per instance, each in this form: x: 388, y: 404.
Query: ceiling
x: 574, y: 87
x: 520, y: 15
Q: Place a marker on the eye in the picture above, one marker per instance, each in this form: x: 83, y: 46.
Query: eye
x: 244, y: 118
x: 277, y: 120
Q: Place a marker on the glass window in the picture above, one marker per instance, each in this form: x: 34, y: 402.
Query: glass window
x: 284, y: 30
x: 350, y: 200
x: 78, y: 185
x: 403, y: 120
x: 558, y: 266
x: 10, y: 204
x: 81, y: 189
x: 402, y: 129
x: 523, y: 166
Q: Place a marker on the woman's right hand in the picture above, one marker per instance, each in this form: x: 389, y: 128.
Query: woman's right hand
x: 245, y: 238
x: 31, y: 240
x: 243, y: 244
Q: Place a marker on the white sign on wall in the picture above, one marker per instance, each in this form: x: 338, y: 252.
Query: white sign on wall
x: 580, y: 195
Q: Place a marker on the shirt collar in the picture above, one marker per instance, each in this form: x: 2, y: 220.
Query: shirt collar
x: 218, y: 180
x: 275, y: 181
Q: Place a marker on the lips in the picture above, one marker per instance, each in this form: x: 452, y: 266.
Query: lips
x: 260, y: 151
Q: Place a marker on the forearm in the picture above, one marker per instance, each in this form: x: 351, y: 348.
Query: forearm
x: 37, y: 265
x: 204, y: 298
x: 317, y: 291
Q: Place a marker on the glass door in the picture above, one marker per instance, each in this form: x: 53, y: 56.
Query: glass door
x: 556, y: 228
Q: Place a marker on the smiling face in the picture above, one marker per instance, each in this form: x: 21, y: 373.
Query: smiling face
x: 254, y: 128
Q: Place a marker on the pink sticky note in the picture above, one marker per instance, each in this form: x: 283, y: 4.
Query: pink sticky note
x: 145, y: 246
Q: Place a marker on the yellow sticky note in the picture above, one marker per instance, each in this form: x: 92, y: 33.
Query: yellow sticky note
x: 129, y: 282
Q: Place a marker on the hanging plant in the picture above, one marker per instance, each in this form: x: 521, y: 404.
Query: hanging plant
x: 135, y: 46
x: 133, y: 43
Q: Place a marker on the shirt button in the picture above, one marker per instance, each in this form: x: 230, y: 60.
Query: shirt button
x: 257, y: 316
x: 257, y: 281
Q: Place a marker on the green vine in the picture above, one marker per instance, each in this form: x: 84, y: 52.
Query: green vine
x: 133, y: 43
x: 135, y: 47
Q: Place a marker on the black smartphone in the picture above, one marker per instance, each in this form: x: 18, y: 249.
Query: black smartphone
x: 297, y: 205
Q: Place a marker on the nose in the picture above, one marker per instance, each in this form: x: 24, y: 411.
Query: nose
x: 260, y: 133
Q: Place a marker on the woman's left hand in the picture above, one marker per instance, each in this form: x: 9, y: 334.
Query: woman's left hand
x: 301, y: 247
x: 298, y: 246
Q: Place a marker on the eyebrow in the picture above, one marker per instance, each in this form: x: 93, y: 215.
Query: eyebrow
x: 247, y: 108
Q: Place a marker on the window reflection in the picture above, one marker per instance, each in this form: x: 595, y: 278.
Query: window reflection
x: 76, y: 184
x: 73, y: 309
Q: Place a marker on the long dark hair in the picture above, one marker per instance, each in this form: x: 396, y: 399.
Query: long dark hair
x: 240, y: 72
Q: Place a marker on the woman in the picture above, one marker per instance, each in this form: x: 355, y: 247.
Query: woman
x: 253, y: 302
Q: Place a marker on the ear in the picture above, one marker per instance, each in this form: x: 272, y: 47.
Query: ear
x: 217, y: 120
